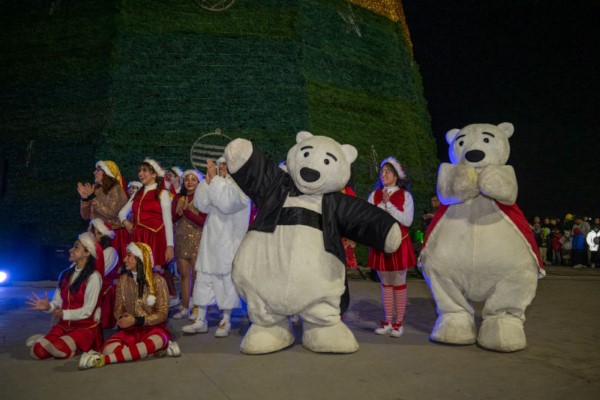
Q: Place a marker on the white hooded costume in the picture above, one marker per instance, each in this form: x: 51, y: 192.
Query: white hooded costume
x: 228, y: 210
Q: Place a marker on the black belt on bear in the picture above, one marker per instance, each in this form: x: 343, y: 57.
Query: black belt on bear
x: 300, y: 216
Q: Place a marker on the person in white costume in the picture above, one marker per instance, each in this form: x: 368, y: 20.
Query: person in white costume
x: 228, y: 210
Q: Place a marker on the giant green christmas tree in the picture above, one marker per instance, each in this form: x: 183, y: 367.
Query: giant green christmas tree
x: 121, y: 80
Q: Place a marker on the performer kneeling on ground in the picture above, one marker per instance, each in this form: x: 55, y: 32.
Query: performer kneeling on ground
x: 73, y: 304
x: 141, y: 310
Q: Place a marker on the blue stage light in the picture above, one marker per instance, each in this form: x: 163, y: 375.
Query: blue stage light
x: 3, y: 276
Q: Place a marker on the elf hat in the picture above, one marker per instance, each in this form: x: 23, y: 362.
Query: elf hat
x: 90, y: 243
x: 178, y: 171
x: 143, y: 252
x: 194, y: 172
x: 156, y: 166
x: 396, y: 165
x: 135, y: 184
x: 102, y: 227
x: 111, y: 169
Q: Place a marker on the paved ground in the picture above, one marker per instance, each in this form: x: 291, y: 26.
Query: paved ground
x: 562, y: 360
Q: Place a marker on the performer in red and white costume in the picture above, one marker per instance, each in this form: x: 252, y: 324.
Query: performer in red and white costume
x: 152, y: 223
x: 104, y: 235
x: 105, y: 199
x: 141, y: 310
x: 73, y: 304
x: 392, y: 195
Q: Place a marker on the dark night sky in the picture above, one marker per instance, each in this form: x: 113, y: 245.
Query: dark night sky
x: 531, y: 63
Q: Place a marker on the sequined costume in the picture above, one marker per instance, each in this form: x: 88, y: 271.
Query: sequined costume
x: 107, y: 207
x: 152, y: 318
x: 188, y: 228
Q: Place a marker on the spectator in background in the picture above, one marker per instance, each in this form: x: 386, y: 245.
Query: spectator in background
x: 556, y: 243
x: 536, y: 227
x: 579, y: 250
x: 593, y: 240
x: 430, y: 212
x: 545, y: 234
x: 568, y: 222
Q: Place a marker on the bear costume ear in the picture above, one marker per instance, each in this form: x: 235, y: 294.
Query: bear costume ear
x: 507, y: 128
x: 451, y: 134
x: 350, y: 152
x: 303, y: 135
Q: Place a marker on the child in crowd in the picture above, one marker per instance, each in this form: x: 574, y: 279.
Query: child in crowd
x: 556, y: 243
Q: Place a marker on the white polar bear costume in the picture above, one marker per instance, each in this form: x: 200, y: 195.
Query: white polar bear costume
x: 479, y: 246
x: 290, y: 262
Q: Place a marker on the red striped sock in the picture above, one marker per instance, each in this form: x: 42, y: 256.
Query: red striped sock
x: 387, y: 295
x: 400, y: 295
x: 142, y: 349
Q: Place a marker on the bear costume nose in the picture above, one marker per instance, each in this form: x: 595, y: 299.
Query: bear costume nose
x: 309, y: 175
x: 474, y: 155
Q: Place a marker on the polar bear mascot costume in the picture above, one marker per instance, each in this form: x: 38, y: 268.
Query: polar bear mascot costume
x: 479, y: 245
x: 291, y: 261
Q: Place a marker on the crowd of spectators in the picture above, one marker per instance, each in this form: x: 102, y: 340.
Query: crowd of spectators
x: 571, y: 242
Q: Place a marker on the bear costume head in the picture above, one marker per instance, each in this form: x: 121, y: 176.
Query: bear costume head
x: 319, y: 164
x: 480, y: 145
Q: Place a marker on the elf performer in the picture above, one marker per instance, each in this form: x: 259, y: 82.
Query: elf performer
x: 104, y: 235
x: 141, y: 310
x: 392, y: 195
x: 152, y: 223
x: 104, y: 200
x: 73, y: 304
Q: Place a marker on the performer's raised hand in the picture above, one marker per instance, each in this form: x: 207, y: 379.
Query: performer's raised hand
x: 37, y: 303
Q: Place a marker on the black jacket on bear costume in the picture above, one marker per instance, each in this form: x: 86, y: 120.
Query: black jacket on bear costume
x: 342, y: 216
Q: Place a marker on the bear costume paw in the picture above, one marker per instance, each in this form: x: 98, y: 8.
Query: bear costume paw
x: 454, y: 328
x: 336, y: 338
x: 503, y: 333
x: 267, y: 339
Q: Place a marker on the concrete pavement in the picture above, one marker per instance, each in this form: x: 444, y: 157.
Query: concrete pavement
x: 562, y: 360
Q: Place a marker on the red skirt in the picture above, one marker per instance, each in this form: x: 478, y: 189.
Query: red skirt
x: 400, y: 260
x: 120, y: 242
x: 136, y: 334
x: 156, y: 240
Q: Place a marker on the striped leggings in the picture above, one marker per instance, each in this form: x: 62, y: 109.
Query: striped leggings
x: 116, y: 350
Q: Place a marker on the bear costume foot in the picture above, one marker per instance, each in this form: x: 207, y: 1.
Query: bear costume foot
x: 267, y: 339
x: 454, y: 328
x: 336, y: 338
x: 503, y: 333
